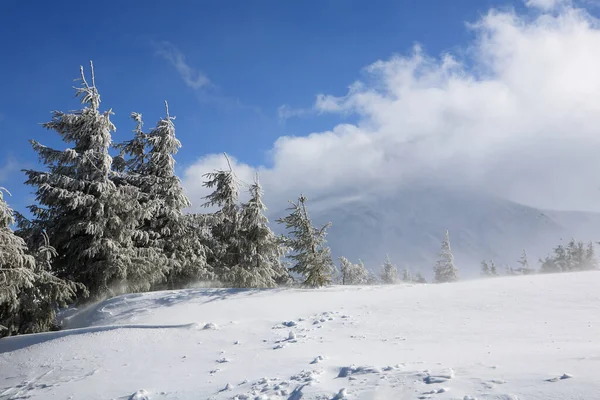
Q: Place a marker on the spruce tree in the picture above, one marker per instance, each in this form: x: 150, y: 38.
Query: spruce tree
x: 493, y: 269
x: 311, y: 256
x: 444, y: 269
x: 260, y: 264
x: 225, y: 224
x: 16, y: 270
x: 166, y: 235
x: 90, y: 221
x: 525, y: 269
x: 346, y: 270
x: 406, y: 276
x: 485, y: 269
x: 29, y: 292
x: 389, y: 272
x: 590, y: 257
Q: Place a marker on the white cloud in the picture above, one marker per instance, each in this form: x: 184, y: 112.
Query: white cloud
x: 285, y: 112
x: 520, y: 117
x: 546, y: 5
x: 192, y: 77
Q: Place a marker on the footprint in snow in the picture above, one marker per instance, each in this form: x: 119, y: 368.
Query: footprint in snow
x: 559, y: 378
x: 223, y: 360
x: 317, y: 360
x: 140, y: 395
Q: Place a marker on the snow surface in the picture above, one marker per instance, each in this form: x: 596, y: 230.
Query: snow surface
x: 529, y: 337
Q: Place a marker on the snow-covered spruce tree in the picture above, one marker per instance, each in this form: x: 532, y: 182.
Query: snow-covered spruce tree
x: 260, y: 263
x: 311, y: 256
x: 389, y: 272
x: 524, y: 269
x: 166, y: 235
x: 406, y: 276
x: 548, y: 265
x: 345, y: 270
x: 372, y: 278
x: 444, y: 269
x: 590, y: 257
x: 89, y: 219
x: 16, y: 270
x: 493, y: 269
x: 353, y: 274
x: 485, y: 269
x: 29, y: 292
x: 38, y: 304
x: 225, y: 224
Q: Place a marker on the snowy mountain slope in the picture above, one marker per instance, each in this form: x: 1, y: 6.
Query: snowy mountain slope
x: 503, y: 338
x: 409, y: 226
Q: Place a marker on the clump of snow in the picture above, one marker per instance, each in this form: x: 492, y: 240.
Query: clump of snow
x: 210, y: 326
x: 140, y: 395
x: 317, y: 359
x: 292, y: 335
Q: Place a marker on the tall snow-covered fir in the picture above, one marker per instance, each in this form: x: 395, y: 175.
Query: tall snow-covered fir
x: 260, y: 263
x: 311, y: 256
x: 90, y: 220
x: 166, y: 235
x: 444, y: 269
x: 225, y: 223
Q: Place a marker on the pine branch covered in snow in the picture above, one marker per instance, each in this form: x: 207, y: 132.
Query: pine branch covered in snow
x: 311, y: 256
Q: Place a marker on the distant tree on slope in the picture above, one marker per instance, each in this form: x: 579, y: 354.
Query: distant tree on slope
x: 524, y: 269
x: 485, y: 269
x: 311, y: 256
x: 389, y: 272
x: 444, y: 269
x: 406, y: 276
x: 493, y: 269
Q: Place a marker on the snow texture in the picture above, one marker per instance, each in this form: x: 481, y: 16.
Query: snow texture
x: 528, y: 337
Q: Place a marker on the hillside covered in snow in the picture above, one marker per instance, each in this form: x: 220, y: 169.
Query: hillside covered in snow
x: 527, y: 337
x: 410, y: 223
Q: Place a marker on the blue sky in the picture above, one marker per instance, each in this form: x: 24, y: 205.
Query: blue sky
x: 225, y: 67
x: 257, y: 56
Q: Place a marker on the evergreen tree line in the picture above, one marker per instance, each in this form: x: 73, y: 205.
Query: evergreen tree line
x: 103, y: 226
x: 575, y: 256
